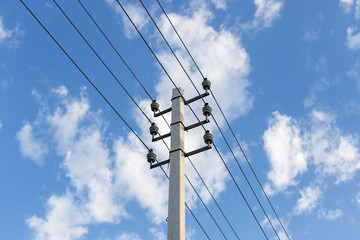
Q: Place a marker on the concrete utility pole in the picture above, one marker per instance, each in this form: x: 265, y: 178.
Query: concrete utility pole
x: 176, y: 217
x: 176, y: 213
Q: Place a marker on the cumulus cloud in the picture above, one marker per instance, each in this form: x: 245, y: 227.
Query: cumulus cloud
x: 334, y: 154
x: 220, y: 56
x: 30, y: 146
x: 330, y: 214
x: 116, y: 172
x: 308, y: 201
x: 285, y: 148
x: 64, y: 220
x: 353, y: 38
x: 291, y: 147
x: 267, y: 11
x: 77, y: 133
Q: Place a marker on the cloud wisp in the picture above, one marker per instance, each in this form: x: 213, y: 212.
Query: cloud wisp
x: 10, y: 37
x: 267, y: 11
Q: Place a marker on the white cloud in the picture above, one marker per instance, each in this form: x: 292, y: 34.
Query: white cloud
x: 1, y: 124
x: 220, y: 56
x: 284, y: 147
x: 77, y: 134
x: 9, y: 37
x: 308, y: 201
x: 347, y: 5
x: 119, y: 174
x: 4, y: 33
x: 331, y: 214
x: 353, y: 38
x: 267, y: 11
x: 319, y: 143
x: 61, y: 91
x: 30, y: 146
x: 148, y: 187
x: 219, y: 4
x: 159, y: 234
x: 137, y: 14
x: 64, y: 220
x: 333, y: 153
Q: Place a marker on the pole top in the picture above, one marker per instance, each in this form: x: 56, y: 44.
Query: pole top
x: 176, y: 93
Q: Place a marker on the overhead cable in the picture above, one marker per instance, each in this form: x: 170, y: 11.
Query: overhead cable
x: 89, y: 45
x: 117, y: 113
x: 167, y: 43
x: 178, y: 90
x: 248, y: 162
x: 162, y: 115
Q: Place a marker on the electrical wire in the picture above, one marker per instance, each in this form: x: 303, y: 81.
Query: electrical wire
x: 248, y: 162
x: 243, y: 196
x: 99, y: 92
x: 188, y: 76
x: 87, y: 78
x: 119, y: 55
x: 99, y: 28
x: 181, y: 94
x: 125, y: 88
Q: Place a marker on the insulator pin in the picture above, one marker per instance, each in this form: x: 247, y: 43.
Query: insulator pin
x: 154, y: 129
x: 208, y: 137
x: 207, y: 110
x: 151, y: 156
x: 154, y: 106
x: 206, y: 84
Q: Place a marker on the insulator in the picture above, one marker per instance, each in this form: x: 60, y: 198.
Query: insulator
x: 154, y: 129
x: 207, y: 109
x: 206, y: 84
x: 151, y: 156
x: 208, y: 137
x: 154, y: 106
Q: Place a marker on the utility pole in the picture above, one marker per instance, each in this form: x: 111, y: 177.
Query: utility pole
x: 176, y: 212
x: 176, y: 207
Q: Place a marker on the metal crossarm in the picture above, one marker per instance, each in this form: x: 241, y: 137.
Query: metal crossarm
x: 196, y: 124
x: 162, y: 112
x: 196, y: 98
x: 159, y: 164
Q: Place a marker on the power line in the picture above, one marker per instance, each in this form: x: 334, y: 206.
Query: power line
x: 124, y: 87
x: 257, y: 179
x: 118, y: 114
x: 162, y: 115
x: 179, y: 92
x: 167, y: 43
x: 227, y: 168
x: 119, y: 55
x: 77, y: 66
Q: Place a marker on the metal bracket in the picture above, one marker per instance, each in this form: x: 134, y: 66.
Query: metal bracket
x: 198, y: 151
x: 159, y: 164
x: 154, y: 139
x: 196, y: 98
x: 197, y: 124
x: 162, y: 112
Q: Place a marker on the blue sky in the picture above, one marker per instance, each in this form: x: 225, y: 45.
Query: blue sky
x: 286, y: 74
